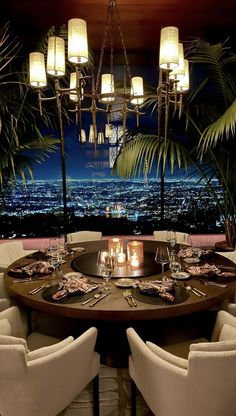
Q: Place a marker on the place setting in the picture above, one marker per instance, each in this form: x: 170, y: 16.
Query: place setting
x: 31, y: 271
x: 75, y: 287
x: 167, y: 290
x: 72, y: 288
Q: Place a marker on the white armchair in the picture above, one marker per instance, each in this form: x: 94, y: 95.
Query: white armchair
x: 44, y: 381
x: 10, y: 252
x: 80, y: 236
x: 204, y: 384
x: 181, y: 238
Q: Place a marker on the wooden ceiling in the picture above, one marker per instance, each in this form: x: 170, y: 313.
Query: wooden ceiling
x: 141, y: 21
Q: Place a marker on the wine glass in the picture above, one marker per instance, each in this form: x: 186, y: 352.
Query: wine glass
x: 162, y: 256
x: 175, y: 264
x: 105, y: 262
x: 171, y: 237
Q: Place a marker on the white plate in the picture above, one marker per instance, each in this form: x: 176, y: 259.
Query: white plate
x: 76, y: 275
x: 124, y: 282
x: 78, y: 249
x: 180, y: 275
x: 191, y: 260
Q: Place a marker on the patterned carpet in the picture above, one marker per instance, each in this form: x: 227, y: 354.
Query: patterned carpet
x: 114, y: 396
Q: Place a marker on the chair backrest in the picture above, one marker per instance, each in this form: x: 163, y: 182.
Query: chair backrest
x: 168, y: 388
x: 17, y: 321
x: 181, y: 238
x: 46, y: 385
x: 84, y: 236
x: 10, y: 252
x: 231, y: 255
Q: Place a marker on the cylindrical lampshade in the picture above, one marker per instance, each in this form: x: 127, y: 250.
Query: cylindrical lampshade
x: 92, y: 133
x: 100, y: 137
x: 107, y: 87
x: 108, y: 131
x: 169, y: 48
x: 178, y: 72
x: 183, y: 84
x: 137, y: 90
x: 115, y: 246
x: 77, y: 41
x: 56, y: 56
x: 37, y: 73
x: 82, y: 136
x: 135, y: 255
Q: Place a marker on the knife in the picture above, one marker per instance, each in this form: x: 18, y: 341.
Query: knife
x: 98, y: 300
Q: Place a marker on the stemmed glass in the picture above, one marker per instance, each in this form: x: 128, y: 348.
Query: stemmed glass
x: 171, y: 237
x: 162, y: 256
x: 106, y: 265
x: 175, y: 264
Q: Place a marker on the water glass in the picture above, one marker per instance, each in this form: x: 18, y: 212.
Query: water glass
x: 162, y: 256
x: 175, y: 264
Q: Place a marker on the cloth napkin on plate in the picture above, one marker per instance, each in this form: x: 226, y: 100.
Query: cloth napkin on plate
x: 209, y: 270
x: 158, y: 287
x: 73, y: 285
x: 37, y: 268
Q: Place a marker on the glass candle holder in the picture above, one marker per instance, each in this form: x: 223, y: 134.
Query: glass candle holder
x: 115, y: 246
x: 135, y: 254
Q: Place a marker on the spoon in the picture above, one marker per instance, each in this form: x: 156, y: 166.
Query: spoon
x: 96, y: 296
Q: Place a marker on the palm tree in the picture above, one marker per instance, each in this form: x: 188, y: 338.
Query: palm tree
x: 21, y: 142
x: 203, y: 106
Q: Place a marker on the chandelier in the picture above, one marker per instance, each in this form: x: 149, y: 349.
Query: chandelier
x: 102, y: 91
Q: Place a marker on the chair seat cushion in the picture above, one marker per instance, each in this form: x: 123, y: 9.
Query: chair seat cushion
x: 167, y: 356
x: 36, y: 340
x: 50, y: 349
x: 181, y: 349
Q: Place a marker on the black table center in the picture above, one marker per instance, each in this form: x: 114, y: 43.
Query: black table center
x: 87, y: 264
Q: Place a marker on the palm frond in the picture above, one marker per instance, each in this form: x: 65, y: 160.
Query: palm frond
x: 220, y: 130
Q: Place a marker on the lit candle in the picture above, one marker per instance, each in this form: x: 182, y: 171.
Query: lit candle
x: 121, y: 259
x: 135, y: 253
x: 134, y: 261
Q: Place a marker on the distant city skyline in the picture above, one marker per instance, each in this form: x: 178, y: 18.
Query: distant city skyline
x: 187, y: 203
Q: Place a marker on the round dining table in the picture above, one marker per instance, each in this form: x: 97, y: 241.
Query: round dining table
x: 115, y: 307
x: 112, y: 315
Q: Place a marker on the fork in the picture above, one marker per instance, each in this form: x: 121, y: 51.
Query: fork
x: 129, y: 296
x: 38, y: 289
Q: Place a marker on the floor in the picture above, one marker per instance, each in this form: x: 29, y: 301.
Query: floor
x: 114, y: 396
